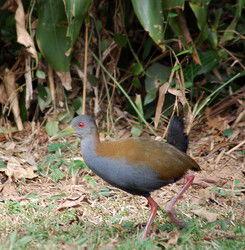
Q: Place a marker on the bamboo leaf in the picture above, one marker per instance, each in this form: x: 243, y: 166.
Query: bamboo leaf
x: 150, y: 15
x: 58, y: 26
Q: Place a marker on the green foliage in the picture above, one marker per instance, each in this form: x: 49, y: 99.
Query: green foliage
x: 150, y: 15
x: 56, y: 166
x: 54, y: 147
x: 156, y: 75
x: 169, y: 5
x: 40, y: 74
x: 2, y: 164
x: 133, y: 47
x: 44, y: 97
x: 230, y: 30
x: 52, y: 128
x: 120, y: 39
x: 209, y: 60
x: 58, y: 27
x: 75, y: 166
x: 136, y: 131
x: 228, y: 132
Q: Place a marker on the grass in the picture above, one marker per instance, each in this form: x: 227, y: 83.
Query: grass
x: 33, y: 225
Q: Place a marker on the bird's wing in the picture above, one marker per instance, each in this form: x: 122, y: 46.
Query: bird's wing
x: 163, y: 158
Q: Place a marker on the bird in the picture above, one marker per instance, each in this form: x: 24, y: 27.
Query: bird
x: 139, y: 166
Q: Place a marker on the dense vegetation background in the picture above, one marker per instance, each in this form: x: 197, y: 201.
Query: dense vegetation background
x: 126, y: 59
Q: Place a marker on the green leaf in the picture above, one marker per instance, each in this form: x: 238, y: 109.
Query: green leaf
x: 150, y: 15
x: 53, y: 147
x: 183, y: 52
x: 148, y: 44
x: 52, y: 128
x: 98, y: 25
x: 2, y: 164
x: 237, y: 182
x: 137, y: 69
x: 136, y: 131
x: 44, y: 97
x: 150, y: 96
x: 42, y: 92
x: 200, y: 9
x: 77, y: 105
x: 156, y: 75
x: 51, y: 34
x: 175, y: 68
x: 173, y: 4
x: 23, y: 109
x: 229, y: 32
x: 59, y: 23
x: 90, y: 180
x: 188, y: 85
x: 68, y: 131
x: 228, y: 132
x: 75, y: 10
x: 93, y: 79
x: 105, y: 192
x: 199, y: 106
x: 136, y: 82
x: 56, y: 174
x: 172, y: 14
x: 40, y: 74
x: 209, y: 60
x: 75, y: 166
x: 120, y: 39
x: 104, y: 44
x: 66, y: 116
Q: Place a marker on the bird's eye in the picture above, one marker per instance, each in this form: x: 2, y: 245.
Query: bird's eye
x: 81, y: 125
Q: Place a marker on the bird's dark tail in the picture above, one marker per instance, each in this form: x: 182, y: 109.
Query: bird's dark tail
x: 176, y: 135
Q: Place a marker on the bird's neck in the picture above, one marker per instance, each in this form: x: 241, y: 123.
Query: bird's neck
x: 88, y: 145
x: 89, y: 154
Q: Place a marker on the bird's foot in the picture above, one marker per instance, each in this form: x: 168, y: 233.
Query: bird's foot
x: 199, y: 181
x: 204, y: 182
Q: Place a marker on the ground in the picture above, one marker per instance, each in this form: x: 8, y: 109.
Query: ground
x: 65, y: 206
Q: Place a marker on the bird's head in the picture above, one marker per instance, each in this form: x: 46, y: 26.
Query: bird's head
x: 84, y: 126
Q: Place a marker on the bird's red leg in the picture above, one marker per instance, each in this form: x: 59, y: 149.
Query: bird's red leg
x: 153, y: 206
x: 170, y: 206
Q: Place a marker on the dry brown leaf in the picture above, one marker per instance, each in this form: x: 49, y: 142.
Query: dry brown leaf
x: 161, y: 98
x: 174, y: 236
x: 9, y: 146
x: 216, y: 122
x: 9, y: 5
x: 3, y: 94
x: 65, y: 78
x: 17, y: 171
x: 23, y: 36
x: 8, y: 190
x: 28, y: 78
x: 203, y: 213
x: 51, y: 83
x: 180, y: 94
x: 11, y: 89
x: 71, y: 202
x: 30, y: 159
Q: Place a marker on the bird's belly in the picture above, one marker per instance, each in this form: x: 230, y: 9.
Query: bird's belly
x: 139, y: 180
